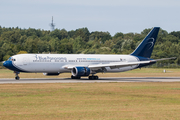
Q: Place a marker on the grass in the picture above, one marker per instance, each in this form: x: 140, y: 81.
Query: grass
x: 144, y: 72
x: 90, y: 101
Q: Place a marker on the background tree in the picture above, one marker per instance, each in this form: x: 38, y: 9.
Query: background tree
x: 13, y: 40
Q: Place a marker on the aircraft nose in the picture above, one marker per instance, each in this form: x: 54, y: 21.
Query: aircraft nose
x: 6, y: 64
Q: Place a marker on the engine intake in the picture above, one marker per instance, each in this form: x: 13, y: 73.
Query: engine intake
x: 50, y: 74
x: 80, y: 71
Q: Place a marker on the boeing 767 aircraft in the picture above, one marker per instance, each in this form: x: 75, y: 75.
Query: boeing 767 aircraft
x: 84, y: 64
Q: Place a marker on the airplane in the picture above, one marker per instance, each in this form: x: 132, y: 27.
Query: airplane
x: 81, y: 65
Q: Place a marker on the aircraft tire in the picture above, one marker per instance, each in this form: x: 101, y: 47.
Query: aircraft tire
x: 17, y: 77
x: 75, y: 77
x: 93, y: 77
x: 72, y: 77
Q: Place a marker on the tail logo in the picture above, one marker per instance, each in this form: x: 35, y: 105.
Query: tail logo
x: 150, y: 42
x: 146, y: 46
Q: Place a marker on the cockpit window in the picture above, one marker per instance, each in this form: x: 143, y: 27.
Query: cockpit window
x: 11, y: 59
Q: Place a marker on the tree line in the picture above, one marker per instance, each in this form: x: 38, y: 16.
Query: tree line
x: 81, y: 41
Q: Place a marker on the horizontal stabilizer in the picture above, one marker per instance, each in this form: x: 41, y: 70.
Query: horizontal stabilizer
x: 172, y: 58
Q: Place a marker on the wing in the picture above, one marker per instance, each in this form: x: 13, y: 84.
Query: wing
x: 116, y: 64
x: 111, y: 65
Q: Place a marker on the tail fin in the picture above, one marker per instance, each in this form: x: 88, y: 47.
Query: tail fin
x: 146, y: 47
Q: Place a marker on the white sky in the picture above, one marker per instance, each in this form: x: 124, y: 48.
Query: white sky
x: 97, y: 15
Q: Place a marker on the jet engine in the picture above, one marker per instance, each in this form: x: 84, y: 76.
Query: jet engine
x: 50, y: 74
x: 80, y: 71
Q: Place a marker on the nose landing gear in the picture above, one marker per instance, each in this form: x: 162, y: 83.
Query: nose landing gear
x: 16, y: 75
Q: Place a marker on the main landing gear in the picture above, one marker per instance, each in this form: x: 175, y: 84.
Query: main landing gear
x: 74, y: 77
x: 16, y: 75
x: 90, y: 77
x: 93, y: 77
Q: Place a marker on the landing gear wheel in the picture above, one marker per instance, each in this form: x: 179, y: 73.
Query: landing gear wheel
x: 96, y: 77
x: 17, y: 77
x: 93, y: 77
x: 90, y: 77
x: 75, y: 77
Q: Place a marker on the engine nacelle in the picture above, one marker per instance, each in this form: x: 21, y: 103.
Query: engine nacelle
x: 50, y: 74
x: 80, y: 71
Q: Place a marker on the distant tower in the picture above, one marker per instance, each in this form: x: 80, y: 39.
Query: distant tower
x: 52, y: 24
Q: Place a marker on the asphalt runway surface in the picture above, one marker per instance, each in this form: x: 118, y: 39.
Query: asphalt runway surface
x: 85, y: 80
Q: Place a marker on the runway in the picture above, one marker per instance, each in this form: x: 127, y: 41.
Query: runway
x: 85, y: 80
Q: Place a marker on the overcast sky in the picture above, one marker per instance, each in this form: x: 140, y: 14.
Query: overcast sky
x: 97, y: 15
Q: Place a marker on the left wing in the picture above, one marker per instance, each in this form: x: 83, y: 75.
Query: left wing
x: 111, y: 65
x: 117, y: 64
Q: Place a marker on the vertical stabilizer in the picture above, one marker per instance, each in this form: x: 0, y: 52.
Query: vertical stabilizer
x: 146, y: 47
